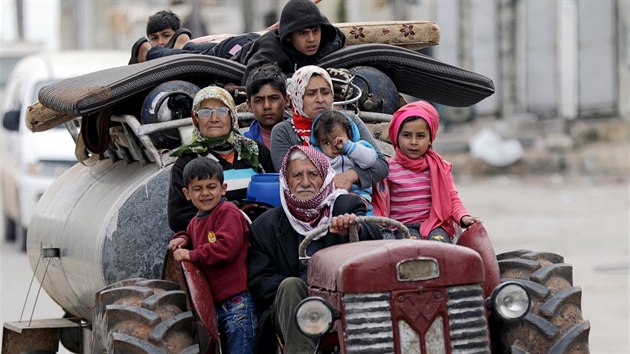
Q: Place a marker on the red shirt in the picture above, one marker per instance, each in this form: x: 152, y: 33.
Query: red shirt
x: 219, y: 243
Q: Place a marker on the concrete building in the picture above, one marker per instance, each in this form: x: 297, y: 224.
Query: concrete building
x: 548, y: 59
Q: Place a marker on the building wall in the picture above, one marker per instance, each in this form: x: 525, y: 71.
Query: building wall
x: 623, y: 55
x: 597, y: 58
x: 569, y: 60
x: 564, y: 59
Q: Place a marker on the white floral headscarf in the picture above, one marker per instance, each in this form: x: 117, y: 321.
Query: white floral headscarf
x: 298, y: 84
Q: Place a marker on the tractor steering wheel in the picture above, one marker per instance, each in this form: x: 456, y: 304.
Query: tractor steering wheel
x: 354, y: 234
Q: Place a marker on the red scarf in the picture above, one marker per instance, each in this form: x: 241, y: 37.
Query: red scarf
x: 440, y: 170
x: 441, y: 186
x: 302, y: 127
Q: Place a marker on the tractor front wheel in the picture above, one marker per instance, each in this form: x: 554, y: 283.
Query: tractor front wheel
x: 554, y: 323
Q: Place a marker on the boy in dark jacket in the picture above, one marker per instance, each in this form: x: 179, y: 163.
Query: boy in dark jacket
x: 267, y: 98
x: 303, y: 38
x: 166, y: 37
x: 161, y: 28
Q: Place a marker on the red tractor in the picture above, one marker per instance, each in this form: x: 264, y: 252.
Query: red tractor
x: 407, y: 296
x: 389, y: 296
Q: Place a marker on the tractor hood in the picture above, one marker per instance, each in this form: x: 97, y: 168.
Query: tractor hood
x: 379, y: 266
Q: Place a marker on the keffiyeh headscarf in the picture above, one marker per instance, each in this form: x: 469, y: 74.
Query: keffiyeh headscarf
x: 247, y: 149
x: 306, y: 215
x: 441, y: 186
x: 297, y: 85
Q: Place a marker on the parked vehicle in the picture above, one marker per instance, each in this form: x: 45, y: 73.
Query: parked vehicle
x: 30, y: 163
x: 11, y: 54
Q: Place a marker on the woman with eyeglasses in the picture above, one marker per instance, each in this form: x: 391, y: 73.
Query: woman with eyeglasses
x: 217, y: 137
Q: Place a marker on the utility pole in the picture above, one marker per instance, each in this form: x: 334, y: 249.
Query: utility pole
x: 196, y: 22
x: 19, y: 12
x: 507, y: 56
x: 465, y: 35
x: 400, y: 10
x: 248, y: 13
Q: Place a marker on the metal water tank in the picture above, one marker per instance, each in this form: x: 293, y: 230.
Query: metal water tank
x: 108, y: 223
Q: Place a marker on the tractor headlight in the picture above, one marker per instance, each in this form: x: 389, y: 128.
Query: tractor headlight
x: 510, y: 301
x: 314, y: 316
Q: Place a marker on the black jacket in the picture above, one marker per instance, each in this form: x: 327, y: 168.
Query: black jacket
x: 273, y: 257
x: 273, y: 253
x: 275, y: 46
x: 181, y: 211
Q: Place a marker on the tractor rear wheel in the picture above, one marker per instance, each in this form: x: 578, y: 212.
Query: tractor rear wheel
x: 554, y: 323
x: 142, y: 316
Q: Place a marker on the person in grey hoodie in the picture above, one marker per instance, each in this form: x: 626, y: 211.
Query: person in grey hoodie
x: 303, y: 37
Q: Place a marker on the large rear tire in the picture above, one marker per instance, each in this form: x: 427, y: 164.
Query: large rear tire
x: 142, y: 316
x: 554, y: 323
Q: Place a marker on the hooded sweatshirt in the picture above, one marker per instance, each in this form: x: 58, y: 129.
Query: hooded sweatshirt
x: 275, y: 46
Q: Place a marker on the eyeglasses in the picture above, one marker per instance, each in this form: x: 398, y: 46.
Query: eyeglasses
x: 206, y: 113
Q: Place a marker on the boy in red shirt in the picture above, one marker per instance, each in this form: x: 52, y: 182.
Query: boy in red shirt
x: 216, y: 241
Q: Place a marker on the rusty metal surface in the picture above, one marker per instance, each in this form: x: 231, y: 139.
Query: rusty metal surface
x: 370, y: 266
x: 201, y: 297
x: 476, y: 238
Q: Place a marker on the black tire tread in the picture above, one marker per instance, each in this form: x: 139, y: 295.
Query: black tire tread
x: 534, y: 289
x: 167, y: 303
x: 171, y: 327
x: 121, y: 314
x: 554, y: 323
x: 512, y: 254
x: 562, y: 270
x: 577, y: 334
x: 123, y: 343
x: 571, y: 295
x: 143, y: 316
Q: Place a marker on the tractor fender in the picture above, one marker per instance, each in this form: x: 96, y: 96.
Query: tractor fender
x: 476, y: 238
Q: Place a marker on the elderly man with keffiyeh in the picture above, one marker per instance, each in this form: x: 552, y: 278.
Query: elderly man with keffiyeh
x: 277, y: 278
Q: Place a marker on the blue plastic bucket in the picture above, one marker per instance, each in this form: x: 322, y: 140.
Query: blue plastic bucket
x: 265, y: 188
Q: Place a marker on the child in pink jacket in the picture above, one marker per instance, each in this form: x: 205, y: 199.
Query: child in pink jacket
x: 419, y: 190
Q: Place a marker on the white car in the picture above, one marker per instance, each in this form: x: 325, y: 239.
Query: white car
x: 29, y: 162
x: 11, y: 54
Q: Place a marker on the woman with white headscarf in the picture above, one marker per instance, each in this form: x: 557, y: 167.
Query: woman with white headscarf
x: 311, y: 93
x: 216, y: 136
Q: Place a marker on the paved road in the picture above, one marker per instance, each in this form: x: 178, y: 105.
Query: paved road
x: 585, y: 220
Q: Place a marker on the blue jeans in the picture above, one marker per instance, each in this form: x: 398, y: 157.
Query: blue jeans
x: 237, y: 322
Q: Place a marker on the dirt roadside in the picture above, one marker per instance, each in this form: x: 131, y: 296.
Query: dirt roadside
x: 586, y: 220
